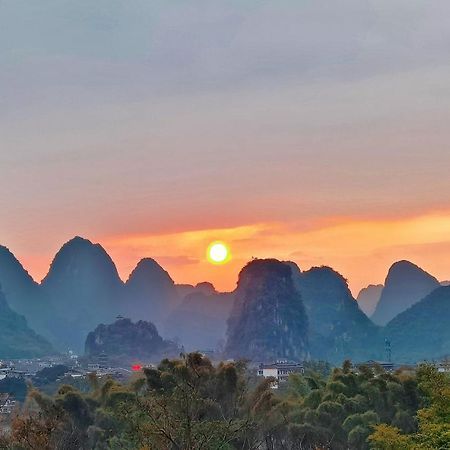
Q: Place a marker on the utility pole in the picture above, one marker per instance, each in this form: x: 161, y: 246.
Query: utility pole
x: 387, y: 349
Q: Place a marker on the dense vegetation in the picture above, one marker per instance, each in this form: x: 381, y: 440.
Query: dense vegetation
x: 433, y: 420
x: 190, y: 404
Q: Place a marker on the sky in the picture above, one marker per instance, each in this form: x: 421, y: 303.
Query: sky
x: 311, y: 131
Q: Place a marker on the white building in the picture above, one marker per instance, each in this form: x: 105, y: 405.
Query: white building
x: 7, y: 404
x: 280, y: 370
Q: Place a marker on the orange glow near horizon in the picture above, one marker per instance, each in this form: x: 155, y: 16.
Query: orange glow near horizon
x: 361, y: 250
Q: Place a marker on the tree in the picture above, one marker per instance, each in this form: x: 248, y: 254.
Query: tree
x: 188, y: 404
x: 191, y: 404
x: 433, y: 420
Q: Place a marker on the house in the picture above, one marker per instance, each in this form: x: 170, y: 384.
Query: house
x: 7, y: 404
x: 444, y: 366
x: 93, y: 367
x: 386, y: 365
x: 280, y: 370
x: 4, y: 372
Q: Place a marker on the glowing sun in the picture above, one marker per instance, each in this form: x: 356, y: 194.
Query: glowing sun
x: 218, y: 253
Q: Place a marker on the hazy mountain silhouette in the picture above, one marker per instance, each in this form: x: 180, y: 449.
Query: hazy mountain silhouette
x: 277, y: 311
x: 17, y: 284
x: 17, y: 340
x: 22, y: 293
x: 185, y: 289
x: 369, y: 297
x: 200, y: 321
x: 150, y: 293
x: 205, y: 287
x: 422, y: 331
x: 83, y: 289
x: 268, y: 319
x: 338, y: 328
x: 126, y: 340
x: 405, y: 285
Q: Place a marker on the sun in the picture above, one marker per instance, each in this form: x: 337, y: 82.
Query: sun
x: 218, y: 253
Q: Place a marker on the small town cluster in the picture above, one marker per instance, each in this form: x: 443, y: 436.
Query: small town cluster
x: 26, y: 370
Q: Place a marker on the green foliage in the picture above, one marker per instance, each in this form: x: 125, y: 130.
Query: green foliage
x: 340, y: 412
x: 320, y: 367
x: 191, y: 404
x: 433, y: 431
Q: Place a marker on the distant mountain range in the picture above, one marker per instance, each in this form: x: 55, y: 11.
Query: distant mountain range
x: 405, y: 285
x: 83, y: 289
x: 276, y: 311
x: 23, y: 294
x: 369, y: 297
x: 199, y: 322
x: 17, y: 340
x: 422, y: 331
x: 149, y: 293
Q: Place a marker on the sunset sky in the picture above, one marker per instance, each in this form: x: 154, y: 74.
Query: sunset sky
x: 313, y: 131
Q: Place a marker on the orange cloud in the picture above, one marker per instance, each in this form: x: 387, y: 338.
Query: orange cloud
x: 361, y: 250
x: 185, y: 252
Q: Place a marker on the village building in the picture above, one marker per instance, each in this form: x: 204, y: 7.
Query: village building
x: 280, y: 370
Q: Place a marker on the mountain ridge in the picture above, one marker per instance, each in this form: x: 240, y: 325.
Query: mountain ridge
x: 83, y: 289
x: 268, y: 319
x: 338, y: 328
x: 425, y: 324
x: 369, y: 297
x: 17, y: 340
x: 406, y: 284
